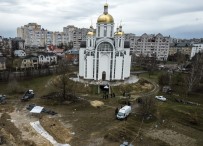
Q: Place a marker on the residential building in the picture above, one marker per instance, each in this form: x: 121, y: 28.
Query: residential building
x: 74, y: 35
x: 5, y: 46
x: 55, y: 50
x: 150, y: 45
x: 47, y: 58
x: 72, y: 55
x: 132, y: 39
x: 19, y: 53
x: 196, y: 49
x: 105, y: 55
x: 31, y: 33
x: 35, y: 36
x: 18, y: 44
x: 183, y: 48
x: 29, y: 61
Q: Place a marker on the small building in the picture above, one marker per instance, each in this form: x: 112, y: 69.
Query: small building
x: 30, y: 61
x: 47, y: 58
x: 72, y: 55
x: 18, y: 43
x: 55, y: 49
x: 19, y: 53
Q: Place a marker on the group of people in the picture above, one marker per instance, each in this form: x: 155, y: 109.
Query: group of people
x: 106, y: 95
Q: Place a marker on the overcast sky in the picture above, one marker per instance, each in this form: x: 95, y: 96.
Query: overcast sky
x: 177, y: 18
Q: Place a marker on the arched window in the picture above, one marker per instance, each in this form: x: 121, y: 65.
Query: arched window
x: 105, y: 46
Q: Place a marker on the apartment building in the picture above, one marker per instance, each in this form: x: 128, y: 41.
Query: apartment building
x: 183, y: 48
x: 151, y: 44
x: 74, y: 35
x: 35, y: 36
x: 196, y: 49
x: 130, y: 37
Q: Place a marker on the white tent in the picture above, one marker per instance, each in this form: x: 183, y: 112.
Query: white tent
x: 37, y: 109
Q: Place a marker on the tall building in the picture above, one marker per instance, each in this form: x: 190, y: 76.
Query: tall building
x: 31, y: 33
x: 132, y: 39
x: 105, y: 55
x: 157, y: 45
x: 74, y: 35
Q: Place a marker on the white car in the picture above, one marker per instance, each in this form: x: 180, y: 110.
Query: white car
x: 160, y: 98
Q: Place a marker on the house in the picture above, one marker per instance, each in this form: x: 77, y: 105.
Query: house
x: 72, y: 55
x: 2, y: 63
x: 19, y: 53
x: 30, y: 61
x: 55, y: 49
x: 47, y: 58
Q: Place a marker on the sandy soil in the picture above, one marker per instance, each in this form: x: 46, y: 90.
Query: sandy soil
x: 22, y: 120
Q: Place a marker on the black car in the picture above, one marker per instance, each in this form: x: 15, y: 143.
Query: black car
x: 2, y: 99
x: 28, y: 95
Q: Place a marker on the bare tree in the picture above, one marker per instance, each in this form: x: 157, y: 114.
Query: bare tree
x: 62, y: 83
x: 196, y: 72
x: 147, y: 105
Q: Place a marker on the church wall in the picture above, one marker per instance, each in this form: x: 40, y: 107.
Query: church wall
x: 81, y: 62
x: 104, y: 65
x: 127, y: 62
x: 118, y: 68
x: 89, y: 67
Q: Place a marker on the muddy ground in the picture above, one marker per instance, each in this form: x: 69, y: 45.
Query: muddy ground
x: 89, y: 122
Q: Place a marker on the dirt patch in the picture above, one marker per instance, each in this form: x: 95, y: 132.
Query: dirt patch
x: 171, y: 137
x: 11, y: 135
x: 6, y: 108
x: 147, y: 86
x: 56, y: 129
x: 96, y: 103
x: 21, y: 119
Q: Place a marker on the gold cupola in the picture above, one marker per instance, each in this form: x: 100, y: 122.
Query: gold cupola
x: 119, y: 31
x: 105, y: 17
x: 91, y: 31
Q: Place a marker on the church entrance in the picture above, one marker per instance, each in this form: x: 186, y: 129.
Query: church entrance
x: 103, y: 75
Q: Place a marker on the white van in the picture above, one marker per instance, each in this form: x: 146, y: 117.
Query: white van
x: 124, y: 112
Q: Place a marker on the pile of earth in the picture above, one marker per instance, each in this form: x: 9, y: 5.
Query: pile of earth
x: 56, y: 129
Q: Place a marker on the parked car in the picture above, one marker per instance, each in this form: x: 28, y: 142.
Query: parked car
x: 2, y: 99
x: 124, y: 112
x: 28, y: 95
x: 162, y: 98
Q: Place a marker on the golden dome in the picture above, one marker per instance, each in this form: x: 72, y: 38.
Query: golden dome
x: 105, y: 5
x: 120, y: 33
x: 105, y: 18
x: 90, y: 33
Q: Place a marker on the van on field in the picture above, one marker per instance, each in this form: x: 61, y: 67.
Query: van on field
x: 124, y: 112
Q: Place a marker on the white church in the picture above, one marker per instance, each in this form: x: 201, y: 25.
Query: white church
x: 105, y: 55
